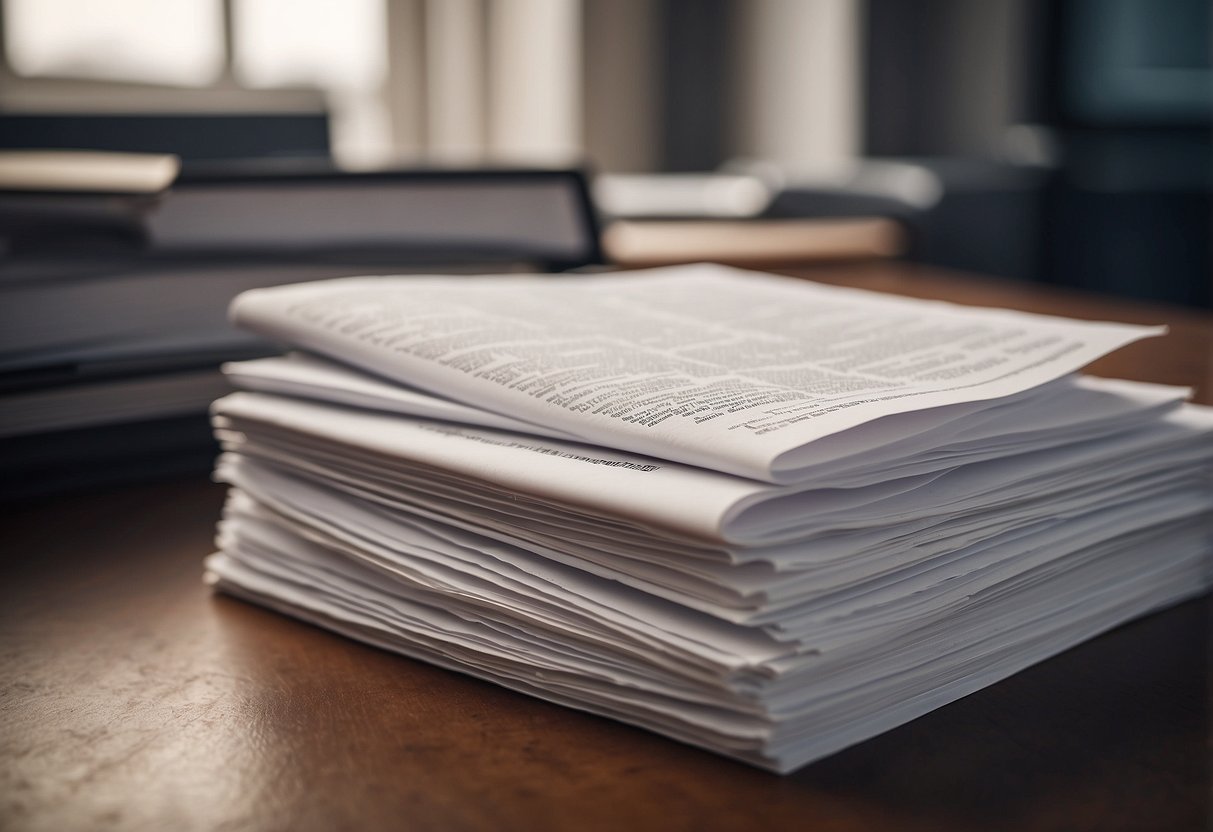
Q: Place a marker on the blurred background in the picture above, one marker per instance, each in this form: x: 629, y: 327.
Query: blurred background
x: 1062, y: 142
x: 1065, y: 141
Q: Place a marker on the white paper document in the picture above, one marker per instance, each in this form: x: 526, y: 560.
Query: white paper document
x: 760, y: 516
x: 699, y: 364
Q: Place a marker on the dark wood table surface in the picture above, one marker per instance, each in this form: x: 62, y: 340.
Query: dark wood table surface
x: 132, y: 698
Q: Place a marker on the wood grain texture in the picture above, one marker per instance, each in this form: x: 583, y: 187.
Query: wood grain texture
x: 131, y: 698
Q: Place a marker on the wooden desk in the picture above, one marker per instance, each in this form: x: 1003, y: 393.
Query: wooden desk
x: 130, y: 698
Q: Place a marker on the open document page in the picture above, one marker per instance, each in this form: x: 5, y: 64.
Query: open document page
x: 736, y: 371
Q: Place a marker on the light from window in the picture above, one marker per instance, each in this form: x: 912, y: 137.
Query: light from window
x: 330, y: 44
x: 175, y: 42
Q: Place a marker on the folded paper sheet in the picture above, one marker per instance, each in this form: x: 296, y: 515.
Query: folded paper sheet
x: 698, y: 364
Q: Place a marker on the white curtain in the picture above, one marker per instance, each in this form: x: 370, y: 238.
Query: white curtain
x: 485, y: 80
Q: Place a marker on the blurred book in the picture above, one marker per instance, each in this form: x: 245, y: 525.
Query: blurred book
x: 735, y: 217
x: 57, y: 200
x: 115, y: 287
x: 751, y: 242
x: 83, y: 171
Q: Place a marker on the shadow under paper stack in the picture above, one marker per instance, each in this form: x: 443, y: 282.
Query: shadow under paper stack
x: 758, y: 515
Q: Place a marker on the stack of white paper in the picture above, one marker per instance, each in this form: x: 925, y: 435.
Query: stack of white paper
x: 759, y: 515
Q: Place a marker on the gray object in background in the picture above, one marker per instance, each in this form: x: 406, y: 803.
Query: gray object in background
x: 89, y: 318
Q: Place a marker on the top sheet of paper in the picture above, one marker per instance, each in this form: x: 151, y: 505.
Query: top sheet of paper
x: 731, y: 370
